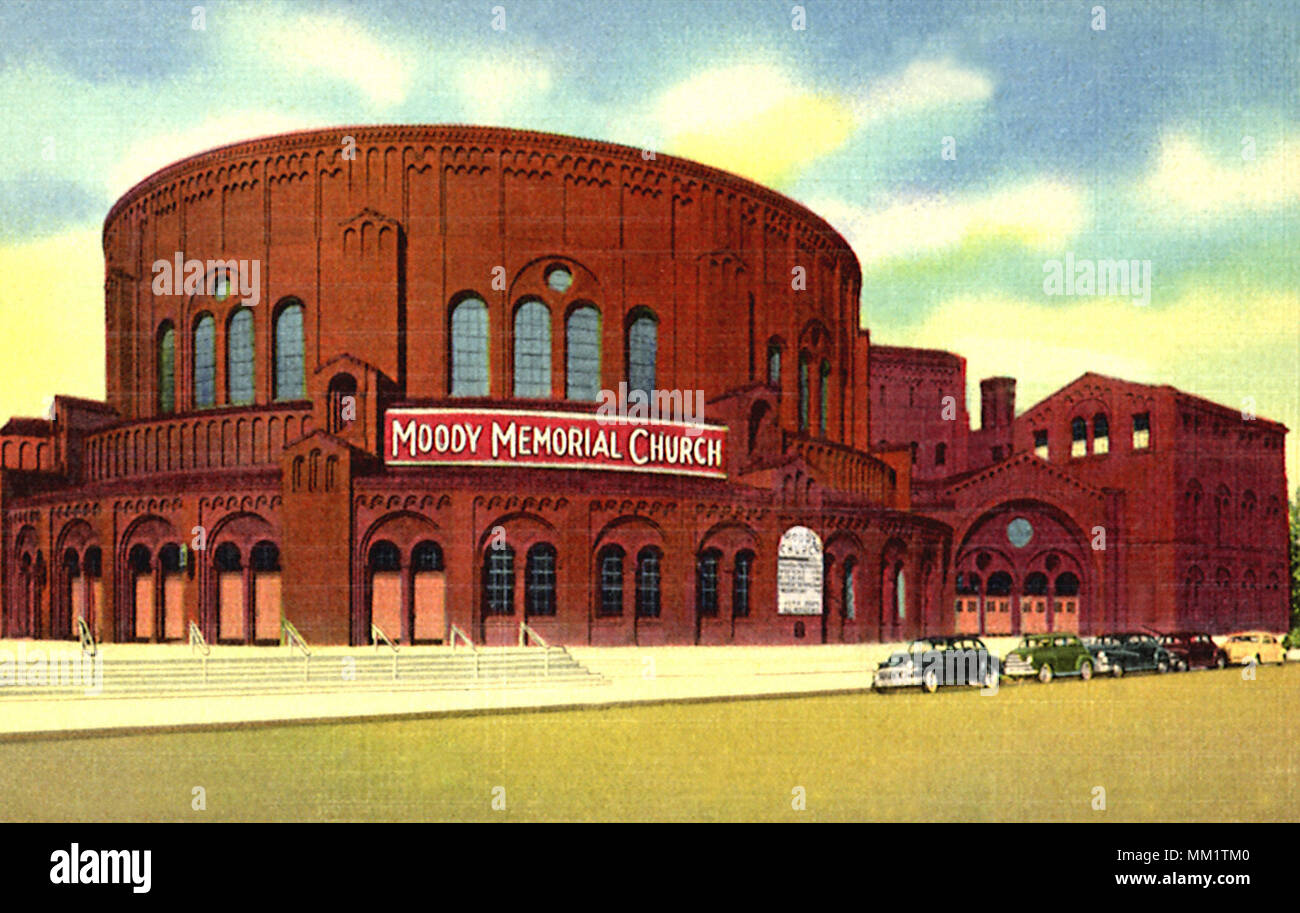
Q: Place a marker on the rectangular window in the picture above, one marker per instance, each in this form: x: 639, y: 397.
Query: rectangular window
x: 1040, y: 444
x: 1142, y: 431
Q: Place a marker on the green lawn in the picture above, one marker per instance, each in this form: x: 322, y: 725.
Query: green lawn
x: 1203, y: 746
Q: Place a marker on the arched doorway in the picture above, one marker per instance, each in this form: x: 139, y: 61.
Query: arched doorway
x: 143, y: 618
x: 172, y: 591
x: 430, y: 578
x: 266, y: 592
x: 384, y: 569
x: 1033, y: 604
x: 997, y: 604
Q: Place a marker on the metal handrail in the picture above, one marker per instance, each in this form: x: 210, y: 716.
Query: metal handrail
x: 86, y: 637
x: 376, y: 635
x: 198, y: 640
x: 526, y: 632
x: 457, y: 632
x: 289, y: 636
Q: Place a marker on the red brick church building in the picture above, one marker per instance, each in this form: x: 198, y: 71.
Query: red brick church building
x: 403, y: 426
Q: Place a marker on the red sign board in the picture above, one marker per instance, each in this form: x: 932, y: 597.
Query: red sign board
x: 553, y: 440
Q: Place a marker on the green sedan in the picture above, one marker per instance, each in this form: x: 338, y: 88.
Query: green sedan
x: 1047, y: 656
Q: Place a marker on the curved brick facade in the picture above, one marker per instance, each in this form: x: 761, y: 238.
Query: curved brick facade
x: 209, y: 489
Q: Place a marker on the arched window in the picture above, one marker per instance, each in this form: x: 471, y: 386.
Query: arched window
x: 803, y: 391
x: 706, y: 582
x: 642, y: 352
x: 1078, y: 438
x: 1222, y: 512
x: 427, y: 556
x: 999, y: 584
x: 266, y: 557
x: 539, y: 580
x: 342, y: 396
x: 239, y: 351
x: 499, y: 581
x: 227, y: 558
x: 1036, y: 584
x: 1067, y: 585
x: 848, y: 594
x: 290, y: 373
x: 1100, y: 434
x: 824, y: 392
x: 141, y: 561
x: 900, y: 592
x: 610, y: 563
x: 582, y: 355
x: 774, y: 364
x: 205, y: 362
x: 385, y: 556
x: 740, y: 584
x: 469, y: 348
x: 648, y: 562
x: 940, y: 454
x: 532, y: 351
x: 167, y: 368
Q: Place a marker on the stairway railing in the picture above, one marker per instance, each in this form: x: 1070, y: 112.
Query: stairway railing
x: 290, y: 637
x: 86, y: 637
x: 197, y: 640
x: 458, y: 633
x: 525, y: 632
x: 376, y: 635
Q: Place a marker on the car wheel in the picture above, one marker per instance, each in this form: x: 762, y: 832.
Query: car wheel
x: 1085, y: 671
x: 1162, y: 666
x: 990, y: 678
x: 1220, y: 661
x: 1045, y: 673
x: 930, y: 681
x: 1117, y: 670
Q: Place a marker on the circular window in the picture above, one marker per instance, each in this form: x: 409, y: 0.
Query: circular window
x: 1019, y: 532
x: 559, y: 279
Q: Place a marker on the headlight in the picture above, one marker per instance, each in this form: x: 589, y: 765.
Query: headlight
x: 1102, y: 656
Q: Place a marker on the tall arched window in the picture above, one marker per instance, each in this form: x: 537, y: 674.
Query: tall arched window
x: 239, y: 351
x: 642, y: 352
x: 469, y: 348
x: 848, y: 594
x: 539, y: 580
x: 900, y: 592
x: 803, y: 391
x: 648, y: 562
x: 740, y: 584
x: 1100, y: 434
x: 499, y: 581
x: 532, y: 351
x: 205, y: 362
x: 1078, y: 438
x: 774, y: 364
x: 167, y: 368
x: 706, y: 582
x: 290, y: 374
x: 582, y: 355
x: 940, y: 454
x: 824, y: 392
x: 610, y: 563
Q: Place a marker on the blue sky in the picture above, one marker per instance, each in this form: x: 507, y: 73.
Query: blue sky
x: 1169, y: 136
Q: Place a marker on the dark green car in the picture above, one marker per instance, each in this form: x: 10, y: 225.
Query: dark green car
x: 1049, y: 655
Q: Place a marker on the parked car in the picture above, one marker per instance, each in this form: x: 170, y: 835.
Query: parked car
x: 1260, y: 646
x: 1193, y: 648
x: 935, y: 662
x: 1049, y: 655
x: 1129, y: 651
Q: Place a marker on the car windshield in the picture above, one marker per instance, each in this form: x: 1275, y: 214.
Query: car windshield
x: 1242, y: 638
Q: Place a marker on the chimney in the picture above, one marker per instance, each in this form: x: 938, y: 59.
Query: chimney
x: 997, y: 402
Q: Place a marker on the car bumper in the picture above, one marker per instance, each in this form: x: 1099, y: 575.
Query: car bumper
x: 896, y: 678
x: 1018, y: 669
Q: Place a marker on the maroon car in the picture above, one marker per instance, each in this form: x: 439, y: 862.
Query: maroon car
x: 1193, y: 648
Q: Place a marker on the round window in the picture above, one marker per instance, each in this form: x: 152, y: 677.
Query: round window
x: 559, y: 279
x: 1019, y: 532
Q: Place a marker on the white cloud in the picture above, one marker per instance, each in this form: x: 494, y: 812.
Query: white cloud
x: 1186, y: 183
x: 923, y: 86
x: 1041, y: 214
x: 334, y: 47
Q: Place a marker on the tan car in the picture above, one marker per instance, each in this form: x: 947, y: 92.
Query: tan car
x: 1260, y: 646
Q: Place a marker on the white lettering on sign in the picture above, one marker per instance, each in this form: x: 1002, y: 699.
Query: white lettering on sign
x: 799, y: 571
